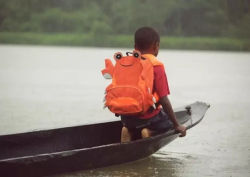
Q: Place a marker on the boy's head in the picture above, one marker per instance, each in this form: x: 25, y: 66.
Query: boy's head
x: 147, y: 40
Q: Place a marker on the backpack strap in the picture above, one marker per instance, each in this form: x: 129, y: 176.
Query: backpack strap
x: 155, y: 62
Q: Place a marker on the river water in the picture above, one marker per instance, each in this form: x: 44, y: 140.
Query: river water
x: 50, y: 87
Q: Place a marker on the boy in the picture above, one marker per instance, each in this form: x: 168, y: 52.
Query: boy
x: 147, y: 41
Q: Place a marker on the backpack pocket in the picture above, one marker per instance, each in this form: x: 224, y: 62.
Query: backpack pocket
x: 125, y: 100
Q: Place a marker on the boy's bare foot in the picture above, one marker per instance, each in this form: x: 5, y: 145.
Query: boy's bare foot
x: 145, y: 133
x: 125, y: 135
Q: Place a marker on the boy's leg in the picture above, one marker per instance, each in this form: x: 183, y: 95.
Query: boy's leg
x: 159, y: 123
x: 126, y: 136
x: 145, y: 133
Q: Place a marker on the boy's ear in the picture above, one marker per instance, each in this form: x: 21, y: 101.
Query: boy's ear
x: 155, y: 48
x: 156, y: 44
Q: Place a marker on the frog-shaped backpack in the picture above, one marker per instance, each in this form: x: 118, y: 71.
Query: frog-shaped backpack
x: 131, y: 90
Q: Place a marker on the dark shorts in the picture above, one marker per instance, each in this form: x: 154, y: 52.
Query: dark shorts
x: 160, y: 122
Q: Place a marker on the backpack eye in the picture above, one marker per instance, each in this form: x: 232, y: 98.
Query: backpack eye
x: 136, y: 54
x: 118, y: 56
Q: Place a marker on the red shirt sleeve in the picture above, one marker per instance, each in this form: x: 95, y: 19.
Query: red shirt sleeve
x: 160, y: 81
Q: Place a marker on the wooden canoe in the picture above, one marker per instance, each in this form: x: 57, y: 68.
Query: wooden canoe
x: 67, y: 149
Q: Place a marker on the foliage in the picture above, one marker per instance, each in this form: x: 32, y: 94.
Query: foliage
x: 228, y: 18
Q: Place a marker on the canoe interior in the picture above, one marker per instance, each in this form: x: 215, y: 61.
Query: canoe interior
x: 57, y: 140
x: 65, y: 139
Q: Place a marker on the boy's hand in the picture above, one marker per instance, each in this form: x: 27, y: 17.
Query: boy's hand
x: 167, y: 107
x: 181, y: 129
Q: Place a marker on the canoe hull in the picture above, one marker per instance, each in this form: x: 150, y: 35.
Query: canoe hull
x: 67, y: 149
x: 83, y: 159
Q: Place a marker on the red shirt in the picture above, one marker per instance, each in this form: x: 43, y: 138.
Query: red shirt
x: 160, y: 87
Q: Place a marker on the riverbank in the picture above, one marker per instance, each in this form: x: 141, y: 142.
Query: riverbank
x: 77, y: 39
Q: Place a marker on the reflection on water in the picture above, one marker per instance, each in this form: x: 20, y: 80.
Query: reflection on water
x: 156, y: 165
x: 48, y: 87
x: 168, y: 164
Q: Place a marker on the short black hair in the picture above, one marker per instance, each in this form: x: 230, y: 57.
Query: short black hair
x: 145, y: 37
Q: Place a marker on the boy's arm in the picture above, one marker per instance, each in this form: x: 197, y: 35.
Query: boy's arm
x: 167, y: 107
x: 162, y: 89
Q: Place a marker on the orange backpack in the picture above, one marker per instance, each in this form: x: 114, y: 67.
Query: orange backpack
x: 130, y: 92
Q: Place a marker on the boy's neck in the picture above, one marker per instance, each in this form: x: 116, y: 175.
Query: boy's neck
x: 154, y: 49
x: 148, y: 52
